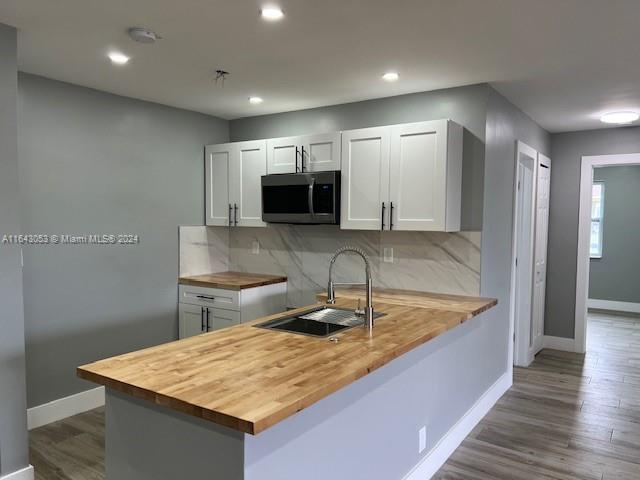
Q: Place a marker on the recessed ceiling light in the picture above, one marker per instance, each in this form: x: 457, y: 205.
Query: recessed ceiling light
x: 118, y: 58
x: 255, y: 100
x: 390, y: 76
x: 620, y: 118
x: 272, y: 13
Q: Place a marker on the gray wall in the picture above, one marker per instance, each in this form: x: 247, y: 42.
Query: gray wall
x: 505, y: 126
x: 92, y: 162
x: 616, y: 276
x: 567, y: 150
x: 13, y: 420
x: 465, y: 105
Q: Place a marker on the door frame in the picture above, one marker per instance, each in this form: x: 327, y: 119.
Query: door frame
x: 521, y: 149
x: 589, y: 163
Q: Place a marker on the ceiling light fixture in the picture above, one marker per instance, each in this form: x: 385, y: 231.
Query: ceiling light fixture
x: 118, y: 58
x: 255, y: 100
x: 620, y: 118
x: 272, y: 13
x: 390, y: 76
x: 143, y: 35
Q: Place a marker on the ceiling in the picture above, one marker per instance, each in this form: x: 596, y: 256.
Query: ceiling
x: 563, y: 62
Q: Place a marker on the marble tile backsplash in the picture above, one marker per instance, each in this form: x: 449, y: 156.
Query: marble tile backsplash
x: 429, y: 261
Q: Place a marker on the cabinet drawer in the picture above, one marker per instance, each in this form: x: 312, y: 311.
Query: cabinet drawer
x: 209, y: 297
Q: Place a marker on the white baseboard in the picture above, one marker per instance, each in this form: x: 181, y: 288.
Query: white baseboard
x: 613, y: 306
x: 463, y: 427
x: 23, y: 474
x: 64, y: 407
x: 559, y: 343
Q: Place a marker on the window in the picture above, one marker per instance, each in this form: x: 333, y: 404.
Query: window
x: 597, y: 209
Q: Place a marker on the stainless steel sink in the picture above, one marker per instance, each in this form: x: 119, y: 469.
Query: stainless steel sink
x: 319, y: 322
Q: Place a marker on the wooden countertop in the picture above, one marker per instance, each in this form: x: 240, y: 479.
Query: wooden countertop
x: 249, y: 379
x: 231, y: 280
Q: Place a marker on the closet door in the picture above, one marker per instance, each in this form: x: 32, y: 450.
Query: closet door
x: 365, y: 178
x: 217, y: 161
x: 248, y: 165
x: 418, y: 176
x: 541, y: 240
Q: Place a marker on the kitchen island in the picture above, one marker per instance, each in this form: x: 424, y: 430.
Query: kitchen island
x: 256, y: 404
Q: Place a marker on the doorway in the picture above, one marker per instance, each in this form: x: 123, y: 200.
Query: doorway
x: 588, y: 243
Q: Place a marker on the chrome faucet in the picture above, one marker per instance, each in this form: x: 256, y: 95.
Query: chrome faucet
x: 331, y: 294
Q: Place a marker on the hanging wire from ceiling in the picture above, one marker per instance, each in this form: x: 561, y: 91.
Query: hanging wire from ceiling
x: 221, y: 76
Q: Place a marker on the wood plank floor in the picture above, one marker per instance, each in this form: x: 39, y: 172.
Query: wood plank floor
x: 568, y: 416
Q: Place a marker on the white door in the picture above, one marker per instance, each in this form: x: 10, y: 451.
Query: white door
x: 418, y: 176
x: 217, y: 161
x: 321, y: 153
x: 365, y: 178
x: 245, y: 190
x: 191, y: 320
x: 541, y: 239
x: 218, y: 318
x: 283, y: 155
x: 523, y: 259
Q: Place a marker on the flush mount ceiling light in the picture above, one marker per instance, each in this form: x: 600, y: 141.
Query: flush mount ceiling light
x: 620, y: 118
x: 390, y: 77
x: 143, y: 35
x: 255, y: 100
x: 272, y: 13
x: 118, y: 58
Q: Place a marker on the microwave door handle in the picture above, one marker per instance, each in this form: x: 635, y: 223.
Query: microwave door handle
x: 311, y: 187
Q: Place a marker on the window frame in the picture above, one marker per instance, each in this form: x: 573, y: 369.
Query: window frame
x: 599, y: 220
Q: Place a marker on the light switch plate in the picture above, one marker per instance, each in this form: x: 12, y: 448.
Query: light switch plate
x: 255, y: 247
x: 388, y: 254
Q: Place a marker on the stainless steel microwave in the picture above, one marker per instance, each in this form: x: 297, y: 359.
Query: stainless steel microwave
x: 312, y: 197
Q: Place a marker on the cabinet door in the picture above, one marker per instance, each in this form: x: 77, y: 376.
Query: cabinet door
x: 283, y: 155
x: 418, y: 175
x: 217, y: 161
x: 247, y: 167
x: 321, y: 152
x: 219, y: 318
x: 191, y: 320
x: 365, y: 178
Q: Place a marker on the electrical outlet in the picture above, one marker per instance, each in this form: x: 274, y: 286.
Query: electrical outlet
x: 255, y: 247
x: 422, y: 439
x: 388, y: 254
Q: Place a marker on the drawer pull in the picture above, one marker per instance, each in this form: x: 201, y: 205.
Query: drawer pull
x: 206, y: 297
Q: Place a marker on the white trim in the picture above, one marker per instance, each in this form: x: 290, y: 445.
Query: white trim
x: 22, y: 474
x: 584, y: 226
x: 559, y: 343
x: 440, y: 453
x: 65, y: 407
x: 613, y: 305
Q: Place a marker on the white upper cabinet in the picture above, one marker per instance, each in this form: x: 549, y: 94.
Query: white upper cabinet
x: 217, y: 161
x: 321, y: 153
x: 233, y: 190
x: 365, y: 178
x: 307, y: 153
x: 403, y: 177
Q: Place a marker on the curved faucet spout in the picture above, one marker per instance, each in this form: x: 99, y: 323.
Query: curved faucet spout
x: 331, y: 296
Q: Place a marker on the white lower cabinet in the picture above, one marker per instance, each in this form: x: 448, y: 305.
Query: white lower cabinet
x: 199, y: 307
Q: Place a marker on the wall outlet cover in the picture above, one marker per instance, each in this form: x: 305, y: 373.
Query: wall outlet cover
x: 387, y: 254
x: 422, y: 439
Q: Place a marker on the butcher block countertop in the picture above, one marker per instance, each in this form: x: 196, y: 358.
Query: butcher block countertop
x: 250, y: 378
x: 231, y: 280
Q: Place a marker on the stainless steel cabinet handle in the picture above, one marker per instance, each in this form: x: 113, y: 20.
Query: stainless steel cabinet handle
x: 235, y: 214
x: 208, y: 325
x: 302, y: 161
x: 230, y: 209
x: 297, y: 153
x: 391, y: 216
x: 383, y: 208
x: 202, y: 319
